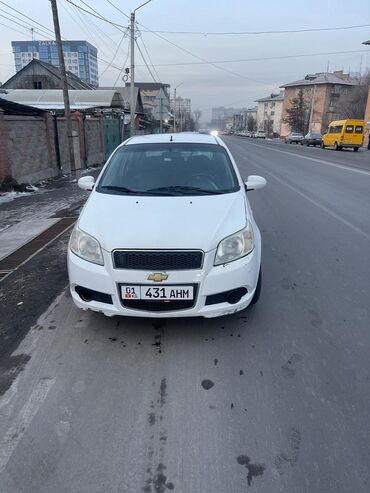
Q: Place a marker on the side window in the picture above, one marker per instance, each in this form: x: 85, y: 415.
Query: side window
x: 331, y: 130
x: 349, y: 129
x: 358, y: 129
x: 338, y: 129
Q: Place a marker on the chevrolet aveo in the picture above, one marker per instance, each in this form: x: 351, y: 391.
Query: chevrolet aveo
x: 167, y: 231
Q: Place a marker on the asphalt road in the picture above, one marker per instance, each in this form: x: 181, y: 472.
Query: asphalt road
x: 118, y: 405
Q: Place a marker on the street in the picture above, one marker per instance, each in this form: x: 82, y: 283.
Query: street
x: 272, y: 399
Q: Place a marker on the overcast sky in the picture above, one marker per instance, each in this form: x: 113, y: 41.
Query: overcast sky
x: 207, y: 85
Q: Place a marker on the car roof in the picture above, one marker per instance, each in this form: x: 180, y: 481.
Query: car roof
x: 183, y: 137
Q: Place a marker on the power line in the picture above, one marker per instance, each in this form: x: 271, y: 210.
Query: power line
x: 115, y: 54
x: 150, y: 60
x: 13, y: 29
x: 26, y: 16
x: 285, y: 31
x: 122, y: 69
x: 282, y: 57
x: 22, y: 25
x: 100, y: 17
x: 119, y: 10
x: 142, y: 56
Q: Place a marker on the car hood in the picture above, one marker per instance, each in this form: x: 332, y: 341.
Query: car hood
x: 132, y: 222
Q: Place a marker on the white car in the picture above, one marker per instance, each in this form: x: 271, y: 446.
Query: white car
x: 167, y: 231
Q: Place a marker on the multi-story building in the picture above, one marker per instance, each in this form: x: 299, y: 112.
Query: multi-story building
x: 322, y: 92
x: 220, y: 114
x: 269, y: 112
x: 80, y: 57
x: 181, y: 106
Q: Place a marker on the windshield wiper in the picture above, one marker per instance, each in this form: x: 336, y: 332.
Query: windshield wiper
x: 117, y: 188
x: 184, y: 190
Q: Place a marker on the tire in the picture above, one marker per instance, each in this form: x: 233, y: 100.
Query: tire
x: 257, y: 292
x: 322, y: 145
x: 336, y: 147
x: 307, y: 144
x: 355, y: 149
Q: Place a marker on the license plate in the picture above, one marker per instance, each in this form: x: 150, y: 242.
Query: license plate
x: 160, y: 293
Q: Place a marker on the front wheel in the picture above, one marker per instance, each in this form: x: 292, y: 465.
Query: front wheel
x: 257, y: 292
x: 337, y: 147
x: 322, y: 145
x: 355, y: 149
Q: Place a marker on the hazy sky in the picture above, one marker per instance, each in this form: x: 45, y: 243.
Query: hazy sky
x: 207, y: 85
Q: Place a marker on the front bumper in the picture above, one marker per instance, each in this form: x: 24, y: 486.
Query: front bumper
x: 210, y: 280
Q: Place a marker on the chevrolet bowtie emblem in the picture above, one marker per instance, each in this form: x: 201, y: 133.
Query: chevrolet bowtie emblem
x: 158, y: 277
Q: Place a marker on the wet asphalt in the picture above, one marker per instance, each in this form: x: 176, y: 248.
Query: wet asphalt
x: 272, y: 399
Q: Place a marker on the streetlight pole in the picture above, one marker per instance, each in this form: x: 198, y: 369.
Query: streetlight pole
x: 132, y: 67
x: 174, y: 107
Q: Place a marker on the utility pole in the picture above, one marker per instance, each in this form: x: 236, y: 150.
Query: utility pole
x: 161, y: 120
x: 174, y: 111
x: 67, y: 110
x: 132, y: 67
x: 132, y: 73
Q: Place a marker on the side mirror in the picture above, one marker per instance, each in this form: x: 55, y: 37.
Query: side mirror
x: 254, y: 182
x: 86, y: 182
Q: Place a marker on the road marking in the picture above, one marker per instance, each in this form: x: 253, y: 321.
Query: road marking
x: 313, y: 201
x: 318, y: 161
x: 16, y: 432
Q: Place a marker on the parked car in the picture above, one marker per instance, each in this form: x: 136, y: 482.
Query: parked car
x: 167, y: 231
x: 294, y: 137
x: 344, y: 133
x: 311, y: 139
x: 260, y: 134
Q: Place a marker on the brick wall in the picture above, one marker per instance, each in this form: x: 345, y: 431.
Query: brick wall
x: 28, y: 146
x: 94, y: 141
x: 28, y: 151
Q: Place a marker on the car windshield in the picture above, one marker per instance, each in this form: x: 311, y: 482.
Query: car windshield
x: 315, y: 135
x: 169, y: 169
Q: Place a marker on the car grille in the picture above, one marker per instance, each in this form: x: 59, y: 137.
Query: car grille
x: 157, y: 260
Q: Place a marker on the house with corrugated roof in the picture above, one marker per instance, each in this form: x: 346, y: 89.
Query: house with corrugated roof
x: 43, y: 75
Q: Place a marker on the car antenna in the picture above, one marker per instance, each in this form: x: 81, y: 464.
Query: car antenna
x: 171, y: 139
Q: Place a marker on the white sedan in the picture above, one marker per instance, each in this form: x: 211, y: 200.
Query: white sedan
x: 167, y: 231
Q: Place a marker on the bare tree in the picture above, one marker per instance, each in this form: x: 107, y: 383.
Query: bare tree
x: 353, y: 103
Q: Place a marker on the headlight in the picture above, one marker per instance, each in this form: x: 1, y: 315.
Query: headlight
x: 235, y: 246
x: 86, y: 247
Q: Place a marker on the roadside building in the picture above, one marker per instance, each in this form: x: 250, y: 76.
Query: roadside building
x: 220, y: 114
x: 41, y: 75
x: 269, y: 113
x: 151, y: 92
x: 322, y: 92
x: 80, y: 57
x: 238, y: 120
x: 367, y: 121
x: 181, y: 110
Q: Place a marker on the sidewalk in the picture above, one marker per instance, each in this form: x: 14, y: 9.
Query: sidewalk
x: 26, y: 217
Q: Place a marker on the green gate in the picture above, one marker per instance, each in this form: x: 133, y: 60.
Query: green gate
x: 112, y: 135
